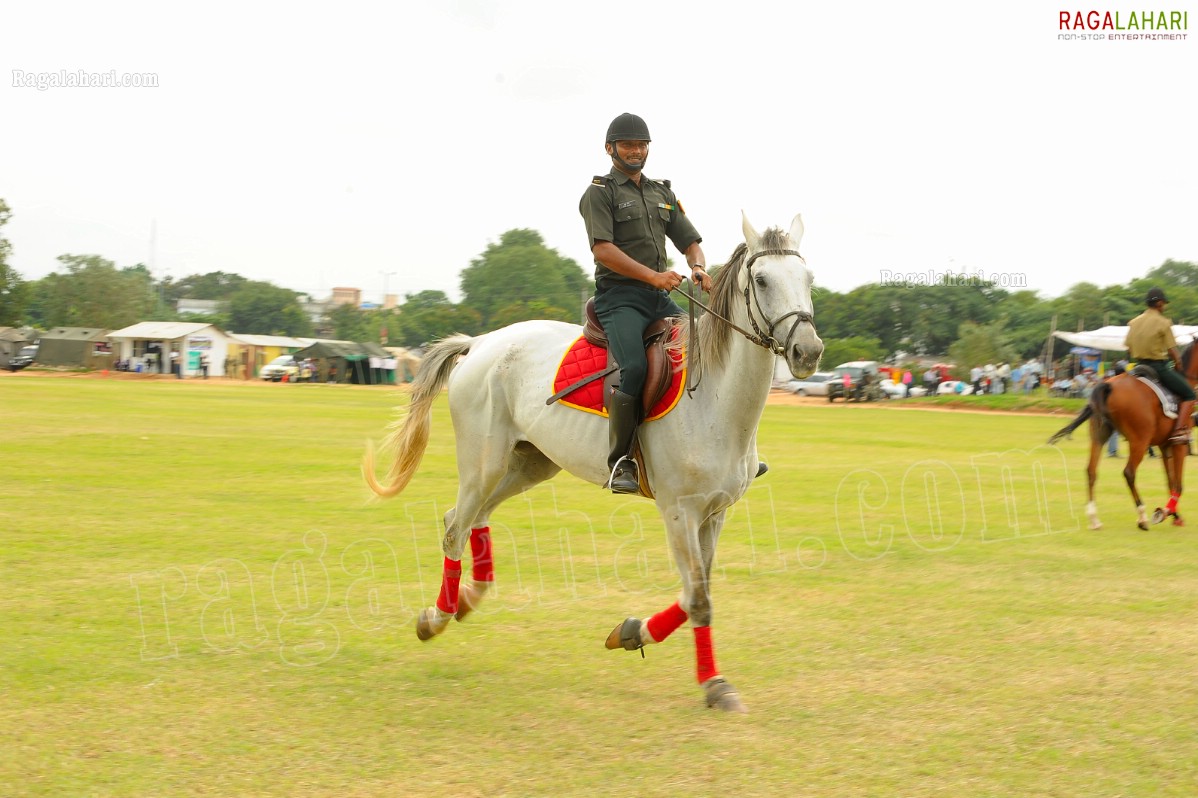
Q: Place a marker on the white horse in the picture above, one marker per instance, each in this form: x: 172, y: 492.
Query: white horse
x: 699, y: 459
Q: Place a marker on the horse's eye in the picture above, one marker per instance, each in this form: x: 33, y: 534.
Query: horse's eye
x: 760, y: 281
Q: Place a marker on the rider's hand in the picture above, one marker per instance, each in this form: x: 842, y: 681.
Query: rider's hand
x: 666, y: 281
x: 700, y: 276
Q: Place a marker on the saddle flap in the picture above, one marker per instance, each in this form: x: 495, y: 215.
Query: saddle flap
x: 1167, y: 399
x: 592, y: 330
x: 658, y: 377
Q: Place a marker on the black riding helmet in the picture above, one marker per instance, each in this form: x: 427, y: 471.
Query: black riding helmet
x: 1155, y: 295
x: 626, y: 127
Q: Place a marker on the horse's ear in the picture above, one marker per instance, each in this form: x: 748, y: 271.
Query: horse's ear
x: 752, y: 237
x: 796, y: 230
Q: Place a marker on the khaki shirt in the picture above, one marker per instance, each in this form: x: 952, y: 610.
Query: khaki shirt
x: 1150, y: 336
x: 637, y: 219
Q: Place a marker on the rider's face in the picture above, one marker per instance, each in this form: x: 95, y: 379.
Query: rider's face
x: 633, y: 153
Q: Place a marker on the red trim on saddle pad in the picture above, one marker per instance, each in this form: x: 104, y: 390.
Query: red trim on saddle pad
x: 584, y: 358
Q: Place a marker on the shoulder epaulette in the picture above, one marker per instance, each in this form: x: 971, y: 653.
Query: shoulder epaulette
x: 665, y: 183
x: 599, y: 180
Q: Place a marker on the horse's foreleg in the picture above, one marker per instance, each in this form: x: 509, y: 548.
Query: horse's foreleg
x: 718, y: 692
x: 1183, y: 452
x: 1174, y: 458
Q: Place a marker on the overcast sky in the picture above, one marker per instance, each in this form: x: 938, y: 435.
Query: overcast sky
x: 325, y: 145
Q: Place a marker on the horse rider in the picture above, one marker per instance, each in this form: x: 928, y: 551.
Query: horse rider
x: 628, y: 217
x: 1150, y: 342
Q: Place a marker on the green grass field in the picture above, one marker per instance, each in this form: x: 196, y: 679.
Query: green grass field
x: 199, y: 599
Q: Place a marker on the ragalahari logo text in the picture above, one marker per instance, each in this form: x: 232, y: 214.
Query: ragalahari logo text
x: 1124, y: 25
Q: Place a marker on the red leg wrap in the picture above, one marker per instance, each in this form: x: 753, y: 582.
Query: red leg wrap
x: 480, y: 552
x: 665, y: 622
x: 704, y: 656
x: 451, y: 576
x: 1171, y: 507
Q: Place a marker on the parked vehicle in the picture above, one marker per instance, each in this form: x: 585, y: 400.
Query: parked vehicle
x: 23, y: 358
x: 815, y: 385
x: 958, y: 387
x: 863, y: 382
x: 280, y: 366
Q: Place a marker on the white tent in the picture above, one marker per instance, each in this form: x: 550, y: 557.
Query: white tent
x: 1110, y: 339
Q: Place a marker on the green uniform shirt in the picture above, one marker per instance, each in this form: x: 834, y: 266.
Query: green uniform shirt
x: 1150, y: 336
x: 636, y: 219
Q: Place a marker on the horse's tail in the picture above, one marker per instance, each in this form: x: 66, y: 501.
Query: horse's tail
x: 1096, y: 406
x: 408, y: 436
x: 1098, y: 401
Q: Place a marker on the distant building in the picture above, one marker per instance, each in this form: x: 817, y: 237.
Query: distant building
x: 147, y: 346
x: 347, y: 296
x: 316, y: 311
x: 201, y: 307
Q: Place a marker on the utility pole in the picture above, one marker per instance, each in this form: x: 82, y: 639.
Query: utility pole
x: 386, y: 276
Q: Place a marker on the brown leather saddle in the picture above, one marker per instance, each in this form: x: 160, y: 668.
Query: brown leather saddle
x: 660, y: 369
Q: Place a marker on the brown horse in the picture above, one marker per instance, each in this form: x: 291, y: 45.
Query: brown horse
x: 1126, y: 404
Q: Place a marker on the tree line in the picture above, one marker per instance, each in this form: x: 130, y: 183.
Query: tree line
x: 518, y: 278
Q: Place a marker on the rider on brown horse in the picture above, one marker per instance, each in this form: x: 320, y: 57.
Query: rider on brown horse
x: 1150, y: 342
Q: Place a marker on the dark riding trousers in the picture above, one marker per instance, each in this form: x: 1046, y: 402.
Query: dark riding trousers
x: 1170, y: 378
x: 625, y: 311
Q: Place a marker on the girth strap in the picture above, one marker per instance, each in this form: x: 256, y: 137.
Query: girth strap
x: 569, y: 389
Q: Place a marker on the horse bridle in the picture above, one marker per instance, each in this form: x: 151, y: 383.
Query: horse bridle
x: 766, y: 339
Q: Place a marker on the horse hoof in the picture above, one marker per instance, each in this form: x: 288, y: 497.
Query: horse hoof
x: 1096, y: 525
x: 1177, y: 521
x: 1143, y: 525
x: 426, y: 624
x: 1158, y: 515
x: 723, y: 696
x: 469, y: 597
x: 626, y: 635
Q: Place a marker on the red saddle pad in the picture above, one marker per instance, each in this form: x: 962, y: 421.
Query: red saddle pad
x: 583, y: 359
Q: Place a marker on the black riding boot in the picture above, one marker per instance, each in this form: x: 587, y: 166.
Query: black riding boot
x: 623, y: 415
x: 1185, y: 420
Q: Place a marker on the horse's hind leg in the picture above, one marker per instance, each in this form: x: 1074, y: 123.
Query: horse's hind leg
x: 527, y: 467
x: 480, y: 491
x: 1098, y: 434
x: 1138, y: 446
